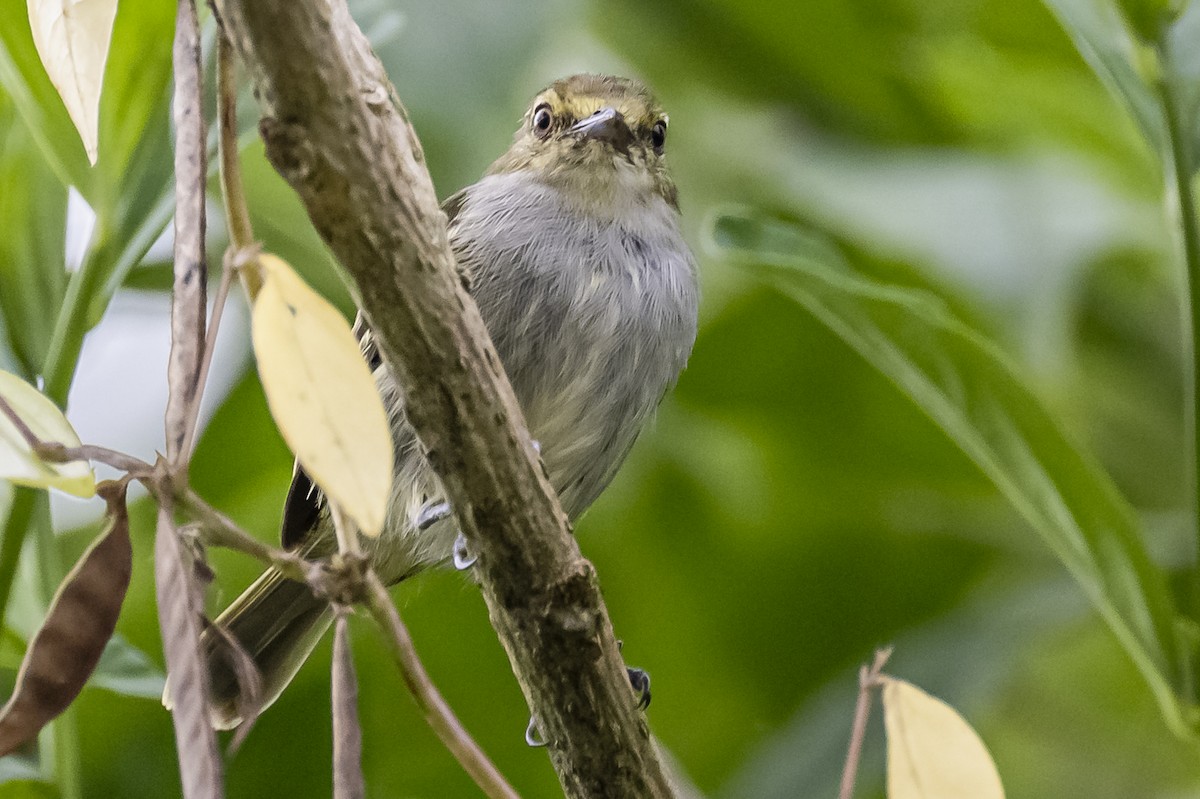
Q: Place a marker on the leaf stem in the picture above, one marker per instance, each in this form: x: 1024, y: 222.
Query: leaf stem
x: 1182, y: 170
x: 16, y: 529
x: 66, y: 340
x: 868, y: 681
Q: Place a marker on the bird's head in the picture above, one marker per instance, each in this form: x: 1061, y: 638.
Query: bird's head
x: 598, y: 137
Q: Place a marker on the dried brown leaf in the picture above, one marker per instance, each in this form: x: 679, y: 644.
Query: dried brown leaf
x: 65, y: 650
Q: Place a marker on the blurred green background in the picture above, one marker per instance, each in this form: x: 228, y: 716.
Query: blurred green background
x: 790, y: 510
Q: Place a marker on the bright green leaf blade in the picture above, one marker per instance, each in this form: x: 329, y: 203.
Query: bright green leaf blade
x: 29, y: 788
x: 1181, y: 70
x: 17, y: 463
x: 1148, y: 17
x: 124, y: 669
x: 32, y: 249
x: 968, y: 388
x: 1103, y: 39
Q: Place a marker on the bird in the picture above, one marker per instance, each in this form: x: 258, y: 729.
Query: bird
x: 572, y: 247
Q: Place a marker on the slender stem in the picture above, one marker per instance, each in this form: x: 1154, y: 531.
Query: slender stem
x: 24, y: 430
x: 66, y: 340
x: 233, y: 193
x: 237, y: 215
x: 217, y: 529
x: 1182, y: 170
x: 56, y: 452
x: 210, y: 346
x: 437, y: 712
x: 16, y: 529
x: 237, y: 220
x: 868, y: 681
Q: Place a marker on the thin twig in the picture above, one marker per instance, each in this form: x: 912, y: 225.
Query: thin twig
x: 347, y: 732
x: 56, y: 452
x: 31, y: 438
x: 217, y: 529
x: 430, y: 701
x: 210, y: 346
x: 233, y: 194
x: 868, y: 681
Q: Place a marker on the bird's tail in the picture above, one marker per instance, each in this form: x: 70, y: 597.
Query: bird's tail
x: 278, y: 623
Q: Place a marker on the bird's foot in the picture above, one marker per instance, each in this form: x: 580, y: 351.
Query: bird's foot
x: 533, y: 736
x: 640, y: 680
x: 463, y: 559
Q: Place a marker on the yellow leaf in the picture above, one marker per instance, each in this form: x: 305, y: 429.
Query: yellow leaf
x: 18, y: 463
x: 932, y: 752
x: 322, y: 394
x: 72, y: 38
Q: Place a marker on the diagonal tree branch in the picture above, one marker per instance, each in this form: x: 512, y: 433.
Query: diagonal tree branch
x: 335, y: 130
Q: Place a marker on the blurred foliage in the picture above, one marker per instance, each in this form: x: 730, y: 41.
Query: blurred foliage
x: 792, y: 508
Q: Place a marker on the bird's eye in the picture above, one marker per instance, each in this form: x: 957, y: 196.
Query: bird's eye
x: 658, y: 135
x: 542, y: 120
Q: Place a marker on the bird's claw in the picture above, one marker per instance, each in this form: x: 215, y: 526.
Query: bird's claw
x: 463, y: 559
x: 533, y: 735
x: 640, y: 680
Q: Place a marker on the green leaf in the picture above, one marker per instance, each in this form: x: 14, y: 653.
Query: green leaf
x: 1181, y: 70
x: 124, y: 669
x: 1106, y: 44
x: 966, y: 385
x: 29, y: 788
x: 37, y: 101
x: 32, y: 248
x: 1148, y: 17
x: 133, y: 112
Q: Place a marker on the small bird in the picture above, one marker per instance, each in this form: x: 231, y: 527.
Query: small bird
x: 572, y: 249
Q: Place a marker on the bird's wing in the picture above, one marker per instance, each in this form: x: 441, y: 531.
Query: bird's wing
x: 302, y: 506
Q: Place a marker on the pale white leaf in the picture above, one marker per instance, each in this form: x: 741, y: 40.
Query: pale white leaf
x: 18, y: 463
x: 932, y: 753
x: 72, y: 39
x: 322, y: 395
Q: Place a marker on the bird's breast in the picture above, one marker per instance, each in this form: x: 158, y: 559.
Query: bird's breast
x: 593, y: 316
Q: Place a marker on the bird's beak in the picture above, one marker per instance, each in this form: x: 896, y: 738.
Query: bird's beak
x: 607, y: 125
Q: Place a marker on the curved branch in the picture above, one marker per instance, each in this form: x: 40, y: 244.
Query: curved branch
x: 335, y: 130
